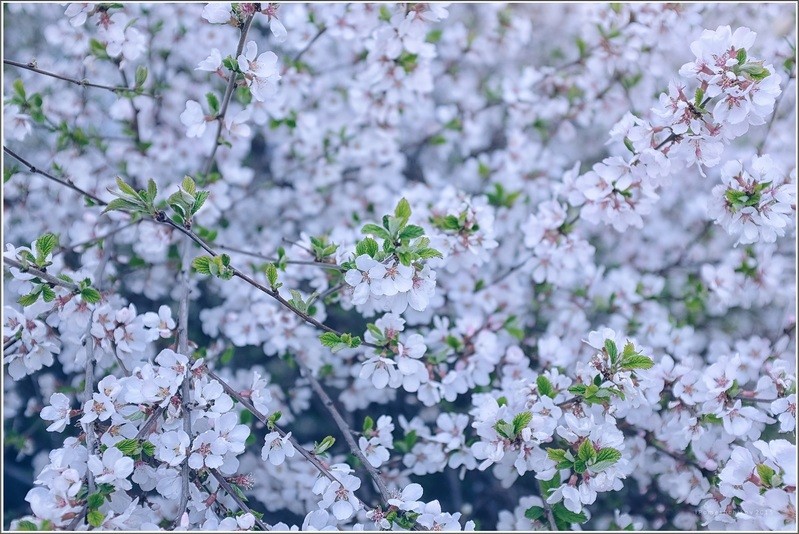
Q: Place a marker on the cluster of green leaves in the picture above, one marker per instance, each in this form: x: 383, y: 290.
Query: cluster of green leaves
x: 186, y: 201
x: 30, y: 526
x: 322, y: 248
x: 459, y: 224
x: 141, y: 203
x: 133, y: 448
x: 737, y: 199
x: 218, y: 266
x: 405, y: 520
x: 564, y: 517
x: 336, y: 342
x: 545, y: 387
x: 499, y: 197
x: 405, y: 241
x: 630, y: 358
x: 405, y: 444
x: 43, y: 247
x: 754, y: 70
x: 587, y: 458
x: 272, y: 420
x: 512, y: 430
x: 31, y: 105
x: 595, y: 393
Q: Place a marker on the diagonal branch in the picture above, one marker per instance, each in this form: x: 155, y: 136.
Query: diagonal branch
x: 50, y: 279
x: 67, y: 183
x: 83, y: 83
x: 385, y: 494
x: 229, y: 489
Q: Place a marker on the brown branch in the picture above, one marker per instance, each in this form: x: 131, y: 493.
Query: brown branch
x: 385, y: 494
x: 83, y: 83
x: 52, y: 280
x: 229, y: 489
x: 33, y: 169
x: 185, y: 386
x: 150, y: 422
x: 265, y: 420
x: 307, y: 47
x: 226, y: 99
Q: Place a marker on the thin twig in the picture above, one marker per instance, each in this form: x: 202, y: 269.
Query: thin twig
x: 35, y: 170
x: 97, y: 239
x: 229, y: 489
x: 226, y: 99
x: 274, y: 294
x: 385, y: 494
x: 13, y: 339
x: 547, y: 508
x: 41, y: 274
x: 320, y: 264
x: 183, y: 348
x: 88, y: 393
x: 83, y: 83
x: 150, y: 422
x: 307, y: 47
x: 265, y: 420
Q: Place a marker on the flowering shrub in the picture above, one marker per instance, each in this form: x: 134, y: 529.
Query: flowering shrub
x: 399, y: 266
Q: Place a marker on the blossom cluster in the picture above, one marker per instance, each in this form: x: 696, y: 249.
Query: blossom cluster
x: 379, y: 267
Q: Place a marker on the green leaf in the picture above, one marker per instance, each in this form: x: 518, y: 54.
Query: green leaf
x: 19, y: 89
x: 606, y: 457
x: 427, y: 253
x: 765, y: 473
x: 741, y: 56
x: 545, y: 387
x: 637, y: 361
x: 533, y: 513
x: 141, y: 75
x: 403, y: 210
x: 121, y: 204
x: 375, y: 230
x: 199, y: 200
x: 125, y: 188
x: 97, y: 49
x: 271, y: 275
x: 202, y: 264
x: 329, y: 339
x: 586, y: 451
x: 521, y: 421
x: 30, y: 298
x: 152, y: 189
x: 45, y: 245
x: 578, y: 389
x: 95, y: 518
x: 129, y: 447
x: 148, y: 448
x: 95, y: 500
x: 366, y: 246
x: 564, y: 514
x: 27, y: 525
x: 324, y: 445
x: 411, y: 232
x: 612, y: 350
x: 48, y: 294
x: 504, y: 429
x: 90, y: 295
x: 368, y: 424
x: 213, y: 103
